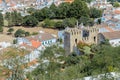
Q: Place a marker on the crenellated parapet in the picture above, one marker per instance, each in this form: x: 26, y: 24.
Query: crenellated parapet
x: 72, y: 36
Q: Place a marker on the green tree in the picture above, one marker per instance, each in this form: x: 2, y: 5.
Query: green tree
x: 86, y: 21
x: 88, y: 1
x: 31, y: 10
x: 10, y: 30
x: 54, y: 55
x: 1, y: 20
x: 38, y: 15
x: 63, y: 9
x: 16, y: 18
x: 48, y: 23
x: 69, y: 22
x: 14, y: 41
x: 116, y: 4
x: 1, y: 29
x: 13, y: 60
x: 27, y: 33
x: 77, y: 9
x: 59, y: 25
x: 19, y: 33
x: 99, y: 21
x: 30, y: 21
x: 8, y: 17
x: 53, y: 8
x: 95, y: 13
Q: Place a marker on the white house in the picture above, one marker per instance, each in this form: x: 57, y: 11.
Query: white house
x: 42, y: 38
x: 4, y: 45
x: 113, y: 37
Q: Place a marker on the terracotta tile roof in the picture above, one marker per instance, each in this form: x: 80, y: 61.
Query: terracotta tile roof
x: 0, y: 1
x: 35, y: 44
x: 41, y: 37
x: 111, y: 35
x: 109, y: 29
x: 70, y: 1
x: 117, y: 11
x: 28, y: 47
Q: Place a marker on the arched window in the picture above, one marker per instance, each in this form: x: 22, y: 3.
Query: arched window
x: 76, y: 41
x: 94, y: 39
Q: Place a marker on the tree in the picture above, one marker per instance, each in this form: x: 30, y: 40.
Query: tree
x: 63, y: 8
x: 88, y: 1
x: 1, y: 29
x: 8, y: 17
x: 27, y: 33
x: 112, y: 1
x: 72, y: 59
x: 14, y: 41
x: 95, y: 13
x: 16, y: 18
x: 48, y: 23
x: 38, y: 15
x: 30, y: 21
x: 77, y: 9
x: 116, y: 4
x: 19, y: 33
x: 69, y: 22
x: 53, y: 8
x: 86, y: 21
x: 1, y: 20
x: 99, y: 21
x: 104, y: 61
x: 53, y: 56
x: 59, y: 25
x: 10, y: 30
x: 31, y: 10
x: 13, y: 60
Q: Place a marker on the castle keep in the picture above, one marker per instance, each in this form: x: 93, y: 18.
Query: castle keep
x: 72, y: 36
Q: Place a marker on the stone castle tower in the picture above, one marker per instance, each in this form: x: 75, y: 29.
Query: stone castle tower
x: 72, y: 36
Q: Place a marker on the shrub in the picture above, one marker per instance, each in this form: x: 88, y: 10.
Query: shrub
x: 27, y: 33
x: 19, y: 33
x: 48, y: 23
x: 14, y: 41
x: 10, y: 30
x: 34, y: 33
x: 1, y: 29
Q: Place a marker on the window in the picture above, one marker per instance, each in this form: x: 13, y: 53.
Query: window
x: 51, y: 41
x: 45, y: 42
x: 76, y: 41
x: 94, y: 39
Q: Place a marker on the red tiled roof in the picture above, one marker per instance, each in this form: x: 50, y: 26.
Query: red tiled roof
x: 35, y: 44
x: 109, y: 29
x: 28, y: 47
x: 0, y: 1
x: 70, y: 1
x: 41, y: 37
x: 111, y: 35
x: 117, y: 11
